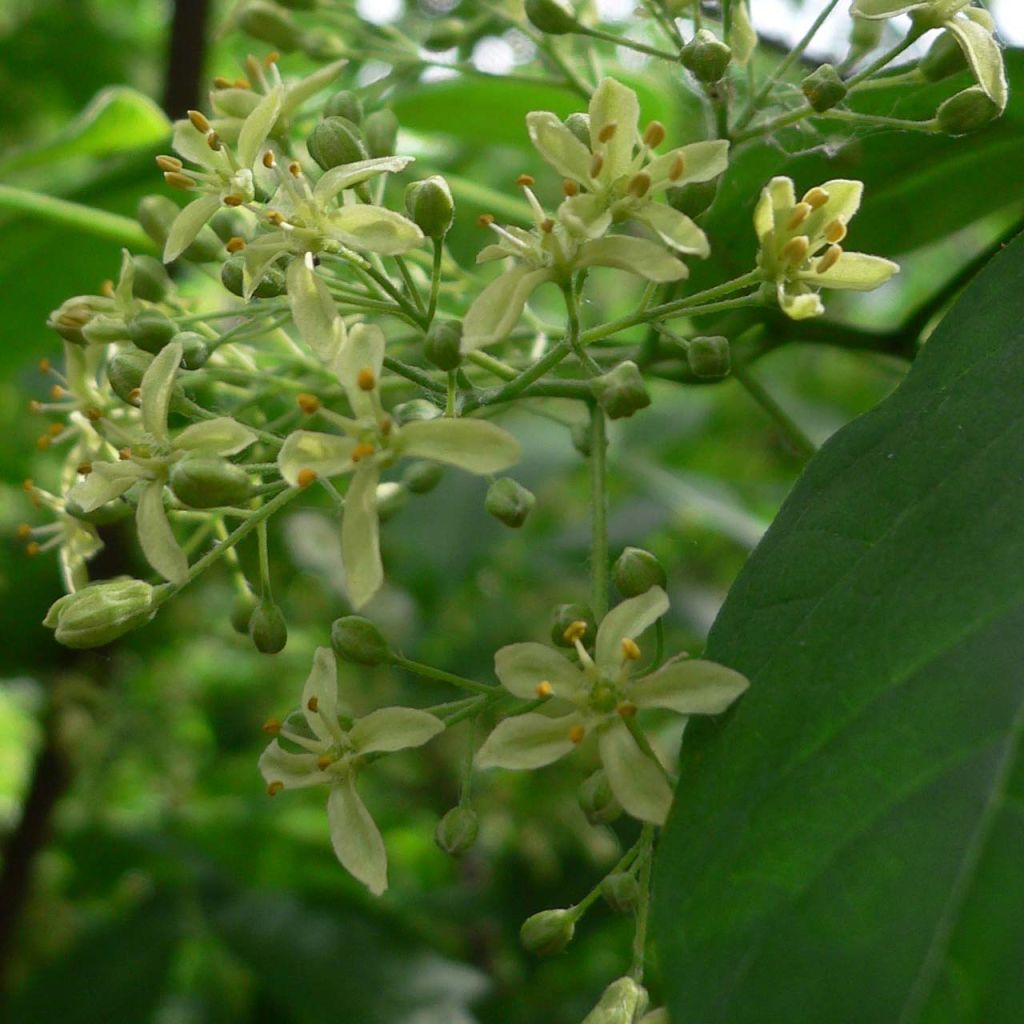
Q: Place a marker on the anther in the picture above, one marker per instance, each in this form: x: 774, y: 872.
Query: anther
x: 274, y: 788
x: 35, y: 405
x: 525, y: 181
x: 275, y: 218
x: 135, y: 396
x: 816, y: 198
x: 626, y: 710
x: 234, y: 200
x: 547, y: 225
x: 544, y: 690
x: 835, y: 231
x: 654, y: 134
x: 178, y: 180
x: 607, y: 132
x: 324, y: 761
x: 305, y: 477
x: 639, y: 185
x: 268, y: 159
x: 124, y: 454
x: 44, y: 366
x: 271, y: 59
x: 24, y: 531
x: 485, y: 220
x: 28, y: 485
x: 57, y: 392
x: 576, y: 734
x: 575, y: 631
x: 570, y: 188
x: 235, y: 244
x: 800, y: 213
x: 796, y: 249
x: 242, y: 83
x: 295, y: 169
x: 271, y: 726
x: 199, y: 121
x: 677, y: 168
x: 366, y: 379
x: 32, y: 549
x: 213, y: 141
x: 385, y: 425
x: 362, y: 451
x: 308, y: 403
x: 630, y: 650
x: 83, y: 468
x: 596, y: 163
x: 43, y: 442
x: 829, y: 260
x: 313, y: 704
x: 220, y: 82
x: 55, y: 429
x: 169, y: 163
x: 107, y: 288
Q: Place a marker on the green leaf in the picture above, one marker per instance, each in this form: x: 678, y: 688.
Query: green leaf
x: 851, y: 836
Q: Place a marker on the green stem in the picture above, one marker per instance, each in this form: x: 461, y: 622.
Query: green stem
x: 435, y: 279
x: 410, y: 285
x: 261, y: 536
x: 804, y: 446
x: 449, y: 406
x: 438, y: 674
x: 887, y: 58
x: 636, y: 970
x: 599, y: 512
x: 630, y: 44
x: 515, y: 387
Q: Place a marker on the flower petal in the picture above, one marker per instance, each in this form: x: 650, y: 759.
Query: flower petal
x: 374, y: 228
x: 320, y: 692
x: 585, y: 215
x: 394, y: 729
x: 360, y: 537
x: 497, y: 309
x: 293, y: 771
x: 626, y: 621
x: 107, y: 481
x: 528, y: 741
x: 884, y: 8
x: 156, y: 537
x: 156, y: 389
x: 558, y: 146
x: 777, y: 196
x: 843, y: 202
x: 689, y: 688
x: 187, y: 225
x: 355, y: 837
x: 799, y: 302
x: 219, y: 436
x: 984, y: 55
x: 638, y: 256
x: 701, y: 161
x: 258, y: 125
x: 521, y: 667
x: 614, y: 103
x: 337, y: 179
x: 477, y: 446
x: 362, y: 349
x: 297, y: 94
x: 636, y: 779
x: 854, y: 271
x: 314, y: 311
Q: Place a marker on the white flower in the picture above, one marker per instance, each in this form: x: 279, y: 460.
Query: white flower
x: 597, y: 695
x: 332, y: 750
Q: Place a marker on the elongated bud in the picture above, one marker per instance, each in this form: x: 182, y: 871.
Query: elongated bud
x: 709, y: 358
x: 156, y: 214
x: 597, y: 801
x: 125, y: 370
x: 509, y: 501
x: 693, y: 198
x: 621, y: 892
x: 824, y: 88
x: 336, y: 141
x: 431, y: 206
x: 150, y: 330
x: 391, y: 499
x: 241, y: 612
x: 231, y: 225
x: 100, y: 613
x: 443, y: 346
x: 445, y: 34
x: 270, y: 24
x: 194, y: 350
x: 943, y: 59
x: 621, y: 392
x: 356, y: 639
x: 966, y: 112
x: 635, y: 571
x: 209, y: 482
x: 565, y: 617
x: 151, y: 281
x: 345, y: 104
x: 706, y: 57
x: 553, y: 17
x: 422, y: 477
x: 380, y: 130
x: 457, y: 831
x: 579, y: 125
x: 232, y: 276
x: 549, y: 932
x: 267, y: 628
x: 620, y: 1003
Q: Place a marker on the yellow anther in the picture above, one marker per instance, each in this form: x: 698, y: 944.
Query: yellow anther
x: 654, y: 134
x: 35, y: 405
x: 275, y: 218
x: 305, y: 477
x: 124, y: 454
x: 570, y: 187
x: 544, y: 690
x: 271, y: 59
x: 639, y: 185
x: 575, y: 631
x: 271, y: 726
x: 252, y: 65
x: 169, y: 163
x: 199, y: 121
x: 32, y: 549
x: 28, y: 485
x: 607, y: 132
x: 220, y: 82
x: 547, y: 225
x: 274, y: 788
x: 313, y: 703
x: 178, y: 180
x: 362, y: 451
x: 308, y: 403
x: 816, y: 198
x: 385, y: 425
x: 366, y: 379
x: 93, y: 414
x: 295, y: 169
x: 626, y: 710
x: 243, y: 83
x: 44, y: 366
x: 24, y: 531
x: 233, y: 200
x: 677, y: 168
x: 83, y: 468
x: 324, y: 761
x: 55, y: 429
x: 485, y: 220
x: 576, y: 734
x: 135, y: 396
x: 42, y: 443
x: 268, y: 160
x: 800, y: 213
x: 525, y: 181
x: 829, y: 260
x: 213, y: 141
x: 630, y: 650
x: 596, y: 163
x: 795, y: 251
x: 107, y: 288
x: 835, y: 231
x: 57, y: 392
x: 235, y: 244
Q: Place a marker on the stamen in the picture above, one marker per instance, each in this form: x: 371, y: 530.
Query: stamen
x: 366, y: 379
x: 829, y: 260
x: 796, y: 249
x: 544, y: 690
x: 596, y: 164
x: 178, y: 180
x: 213, y: 141
x: 295, y: 169
x: 800, y: 213
x: 269, y: 160
x: 275, y: 218
x: 233, y: 200
x: 308, y: 403
x: 271, y: 726
x: 44, y: 366
x: 135, y: 396
x: 305, y: 477
x: 313, y: 704
x: 362, y: 451
x: 235, y: 244
x: 57, y: 392
x: 83, y: 468
x: 271, y: 59
x: 570, y: 188
x: 525, y: 181
x: 274, y: 788
x: 55, y: 429
x: 220, y: 82
x: 94, y: 415
x: 43, y: 442
x: 607, y: 132
x: 35, y: 406
x: 639, y: 185
x: 547, y: 225
x: 630, y: 650
x: 626, y: 710
x: 654, y: 135
x: 575, y: 631
x: 836, y: 230
x: 816, y: 198
x: 199, y: 121
x: 169, y: 163
x: 324, y: 761
x: 24, y: 531
x: 243, y: 83
x: 485, y: 220
x: 677, y: 168
x: 32, y: 549
x: 576, y: 734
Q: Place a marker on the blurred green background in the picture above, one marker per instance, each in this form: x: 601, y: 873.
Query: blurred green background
x: 147, y: 876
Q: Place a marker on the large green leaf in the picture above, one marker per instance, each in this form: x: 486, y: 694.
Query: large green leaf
x: 847, y: 847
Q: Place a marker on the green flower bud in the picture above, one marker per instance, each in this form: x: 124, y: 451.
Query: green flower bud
x: 554, y: 17
x: 421, y: 477
x: 443, y: 344
x: 549, y: 932
x: 381, y: 132
x: 430, y: 205
x: 579, y: 125
x: 104, y: 329
x: 620, y: 1003
x: 865, y: 33
x: 391, y: 499
x: 230, y: 222
x: 582, y: 438
x: 241, y: 612
x: 100, y: 613
x: 966, y: 112
x: 156, y: 214
x: 267, y: 628
x: 943, y: 59
x: 345, y: 104
x: 445, y: 34
x: 151, y: 330
x: 708, y: 358
x: 194, y: 350
x: 234, y: 102
x: 113, y: 512
x: 356, y: 639
x: 509, y: 501
x: 336, y: 141
x: 824, y: 88
x: 566, y: 615
x: 597, y: 801
x: 151, y: 281
x: 635, y: 571
x: 693, y: 199
x: 621, y: 391
x: 270, y: 24
x: 621, y: 892
x: 322, y: 46
x: 414, y: 410
x: 706, y: 57
x: 125, y: 370
x: 456, y: 832
x: 209, y: 482
x: 271, y: 285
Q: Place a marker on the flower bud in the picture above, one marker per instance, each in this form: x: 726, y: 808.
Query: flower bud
x: 444, y: 343
x: 553, y: 17
x: 230, y: 222
x: 209, y: 482
x: 322, y: 46
x: 549, y: 932
x: 823, y: 88
x: 564, y: 616
x: 445, y: 34
x: 156, y: 214
x: 194, y: 350
x: 345, y: 104
x: 579, y: 124
x: 104, y: 329
x: 356, y: 639
x: 966, y: 112
x: 270, y: 24
x: 415, y: 410
x: 336, y: 141
x: 635, y: 571
x: 943, y: 59
x: 100, y: 613
x: 597, y: 801
x: 125, y: 370
x: 421, y: 477
x: 150, y: 330
x: 693, y: 198
x: 456, y: 832
x: 430, y: 205
x: 509, y: 501
x: 391, y: 499
x: 381, y: 132
x: 621, y: 391
x: 621, y: 1003
x: 865, y: 34
x: 271, y: 285
x: 706, y: 57
x: 267, y: 628
x: 621, y: 892
x: 151, y: 282
x: 708, y: 358
x: 241, y: 612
